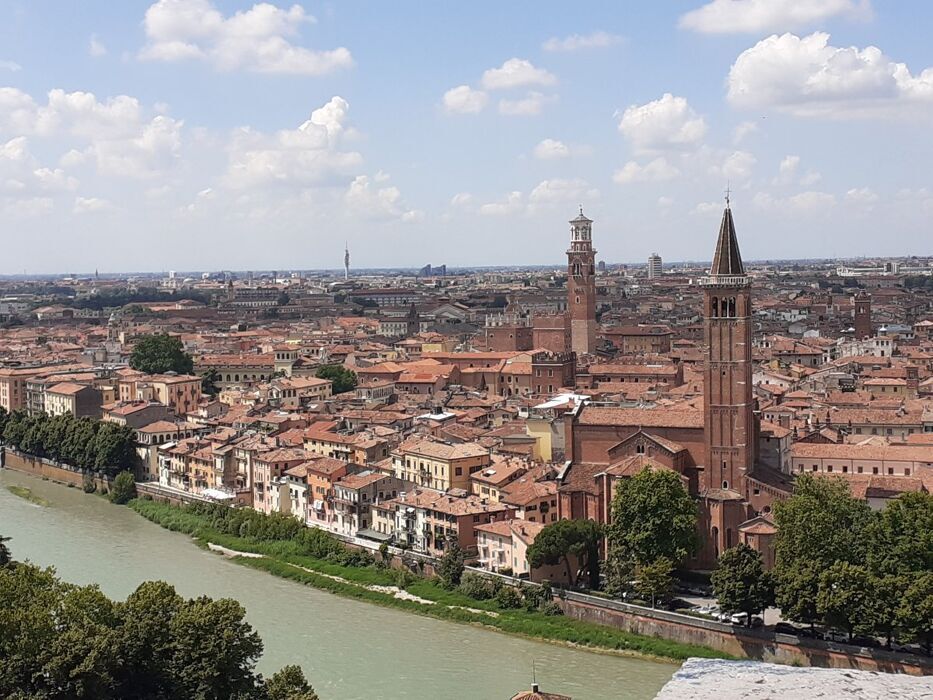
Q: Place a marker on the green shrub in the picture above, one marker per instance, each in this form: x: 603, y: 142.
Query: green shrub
x: 124, y: 488
x: 551, y: 609
x: 509, y: 598
x: 88, y: 483
x: 476, y: 587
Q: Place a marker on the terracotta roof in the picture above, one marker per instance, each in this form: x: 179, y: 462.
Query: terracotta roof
x: 644, y: 417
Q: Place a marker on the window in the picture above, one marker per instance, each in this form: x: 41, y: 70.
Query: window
x: 890, y: 471
x: 859, y: 469
x: 845, y: 469
x: 874, y: 470
x: 906, y: 471
x: 725, y: 484
x: 829, y: 467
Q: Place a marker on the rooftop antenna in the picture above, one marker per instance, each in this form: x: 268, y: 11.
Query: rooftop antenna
x: 581, y: 210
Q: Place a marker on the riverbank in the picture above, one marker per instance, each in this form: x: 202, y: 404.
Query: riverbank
x: 352, y: 649
x: 379, y: 585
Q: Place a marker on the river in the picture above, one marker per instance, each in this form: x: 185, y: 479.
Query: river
x: 348, y: 649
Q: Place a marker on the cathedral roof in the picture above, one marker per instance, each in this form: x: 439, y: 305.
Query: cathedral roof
x: 727, y: 260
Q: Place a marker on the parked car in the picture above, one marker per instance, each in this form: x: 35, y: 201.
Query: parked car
x: 787, y: 628
x: 742, y: 618
x: 866, y: 642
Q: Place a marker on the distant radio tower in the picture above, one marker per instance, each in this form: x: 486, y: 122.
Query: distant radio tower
x: 346, y: 262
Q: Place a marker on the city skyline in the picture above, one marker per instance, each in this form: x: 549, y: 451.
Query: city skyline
x: 234, y: 135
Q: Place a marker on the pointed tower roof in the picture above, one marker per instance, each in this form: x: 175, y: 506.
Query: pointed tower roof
x: 727, y: 261
x: 580, y: 218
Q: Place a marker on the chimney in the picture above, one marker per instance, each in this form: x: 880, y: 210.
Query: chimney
x: 534, y: 687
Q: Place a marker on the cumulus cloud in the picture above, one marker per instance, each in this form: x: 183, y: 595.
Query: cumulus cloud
x: 367, y: 199
x: 579, y: 42
x: 308, y: 155
x: 465, y: 100
x: 11, y: 66
x: 808, y: 77
x: 512, y: 203
x: 115, y: 133
x: 559, y: 191
x: 528, y: 106
x: 757, y: 16
x: 666, y: 123
x: 551, y: 149
x: 742, y: 131
x: 657, y: 170
x: 514, y: 73
x: 257, y: 39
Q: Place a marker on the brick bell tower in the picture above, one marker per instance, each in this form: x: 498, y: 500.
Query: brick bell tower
x: 728, y: 401
x: 731, y: 432
x: 581, y: 286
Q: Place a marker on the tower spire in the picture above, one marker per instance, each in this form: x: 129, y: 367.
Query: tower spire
x: 727, y: 261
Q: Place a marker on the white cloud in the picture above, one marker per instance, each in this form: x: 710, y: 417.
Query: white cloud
x: 96, y: 48
x: 90, y: 205
x: 465, y: 100
x: 308, y: 155
x: 742, y: 131
x: 664, y: 202
x: 657, y: 170
x: 558, y: 191
x: 758, y: 16
x: 737, y: 165
x: 461, y: 199
x: 11, y: 66
x: 368, y: 200
x: 808, y: 77
x: 862, y: 197
x: 665, y: 123
x: 551, y: 149
x: 788, y: 173
x: 578, y: 42
x: 257, y: 39
x: 809, y: 203
x: 528, y: 106
x: 511, y: 204
x: 788, y: 168
x: 516, y: 72
x: 704, y: 208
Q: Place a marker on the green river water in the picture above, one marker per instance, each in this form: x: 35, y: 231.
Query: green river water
x: 348, y: 649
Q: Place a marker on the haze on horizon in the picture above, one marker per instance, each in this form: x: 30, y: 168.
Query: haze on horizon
x: 217, y: 135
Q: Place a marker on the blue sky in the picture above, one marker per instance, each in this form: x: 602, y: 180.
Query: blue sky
x: 189, y: 134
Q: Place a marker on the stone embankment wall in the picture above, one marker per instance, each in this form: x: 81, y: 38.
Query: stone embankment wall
x: 47, y: 469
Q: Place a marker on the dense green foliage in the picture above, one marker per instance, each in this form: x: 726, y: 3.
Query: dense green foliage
x: 209, y: 381
x: 866, y: 572
x: 568, y: 541
x: 121, y: 296
x: 740, y: 582
x: 83, y: 442
x: 123, y: 489
x: 656, y: 580
x: 313, y: 557
x: 61, y: 641
x: 451, y: 565
x: 653, y: 518
x: 160, y: 353
x: 343, y: 378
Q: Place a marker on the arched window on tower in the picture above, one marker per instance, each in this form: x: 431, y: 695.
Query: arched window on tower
x: 714, y: 307
x: 576, y: 269
x: 732, y: 307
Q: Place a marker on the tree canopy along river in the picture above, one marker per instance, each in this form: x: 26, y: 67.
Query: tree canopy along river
x: 348, y: 649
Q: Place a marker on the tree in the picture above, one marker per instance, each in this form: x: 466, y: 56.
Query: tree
x: 58, y: 640
x: 160, y: 353
x: 653, y: 516
x: 796, y: 588
x: 820, y: 524
x: 450, y: 567
x: 900, y: 537
x: 565, y: 540
x: 114, y: 448
x: 123, y: 489
x: 209, y: 381
x: 342, y: 378
x: 5, y: 556
x: 915, y: 613
x: 289, y: 684
x: 845, y: 597
x: 656, y: 580
x: 741, y: 583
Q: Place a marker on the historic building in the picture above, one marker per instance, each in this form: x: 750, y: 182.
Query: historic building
x: 581, y: 286
x: 862, y: 303
x: 713, y: 448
